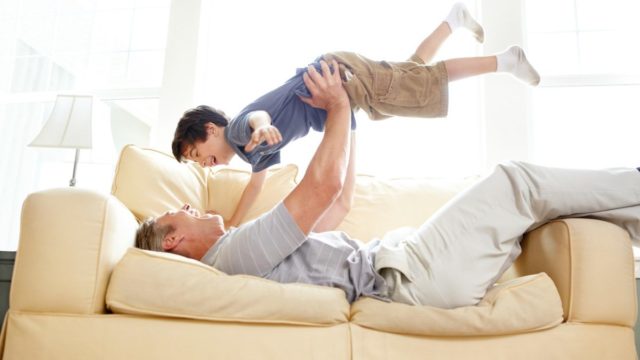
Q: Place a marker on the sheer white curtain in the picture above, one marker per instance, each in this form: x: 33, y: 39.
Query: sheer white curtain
x: 250, y: 47
x: 18, y: 165
x: 112, y: 49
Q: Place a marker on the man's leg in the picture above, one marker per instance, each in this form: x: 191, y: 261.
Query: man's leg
x: 459, y: 17
x: 467, y: 245
x: 512, y: 60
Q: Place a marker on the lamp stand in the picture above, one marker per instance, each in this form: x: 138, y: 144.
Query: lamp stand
x: 72, y: 182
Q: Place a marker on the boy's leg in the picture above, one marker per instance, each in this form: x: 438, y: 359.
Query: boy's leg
x: 512, y: 61
x: 459, y: 17
x: 467, y: 245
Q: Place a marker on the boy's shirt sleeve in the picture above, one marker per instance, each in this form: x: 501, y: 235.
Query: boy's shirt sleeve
x: 238, y: 134
x: 265, y: 161
x: 257, y: 247
x: 238, y: 131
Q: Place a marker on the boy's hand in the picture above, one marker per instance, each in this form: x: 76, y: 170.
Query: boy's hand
x: 268, y: 133
x: 326, y: 88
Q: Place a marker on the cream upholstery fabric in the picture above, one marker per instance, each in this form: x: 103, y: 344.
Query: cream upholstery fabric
x: 150, y: 182
x: 42, y: 336
x: 226, y: 186
x: 525, y: 304
x: 153, y: 283
x: 591, y: 263
x: 569, y: 341
x: 381, y: 205
x: 70, y: 239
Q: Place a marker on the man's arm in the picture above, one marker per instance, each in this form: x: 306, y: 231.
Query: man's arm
x: 341, y: 207
x: 323, y: 180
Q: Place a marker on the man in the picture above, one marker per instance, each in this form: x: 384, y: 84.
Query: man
x: 450, y: 261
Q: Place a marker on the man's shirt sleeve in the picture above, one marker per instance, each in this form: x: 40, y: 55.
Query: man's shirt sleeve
x: 257, y: 247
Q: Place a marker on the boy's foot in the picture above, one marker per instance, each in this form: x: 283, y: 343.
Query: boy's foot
x: 459, y: 16
x: 514, y: 61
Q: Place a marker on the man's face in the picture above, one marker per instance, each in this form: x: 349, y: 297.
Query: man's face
x: 192, y: 230
x: 212, y: 151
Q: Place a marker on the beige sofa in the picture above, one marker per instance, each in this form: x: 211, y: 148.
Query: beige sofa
x: 80, y: 291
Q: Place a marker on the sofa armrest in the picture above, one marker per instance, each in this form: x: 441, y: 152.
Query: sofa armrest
x: 70, y: 240
x: 591, y: 263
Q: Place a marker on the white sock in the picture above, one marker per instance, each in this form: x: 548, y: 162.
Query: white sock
x: 459, y: 16
x: 514, y: 61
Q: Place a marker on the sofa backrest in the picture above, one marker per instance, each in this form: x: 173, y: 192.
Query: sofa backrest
x: 150, y: 182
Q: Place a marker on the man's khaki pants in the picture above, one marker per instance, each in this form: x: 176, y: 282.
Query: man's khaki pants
x: 465, y: 247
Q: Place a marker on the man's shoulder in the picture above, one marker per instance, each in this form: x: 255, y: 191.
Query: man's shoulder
x: 277, y: 220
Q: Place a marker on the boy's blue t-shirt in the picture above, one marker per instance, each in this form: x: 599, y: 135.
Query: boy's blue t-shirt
x: 292, y: 117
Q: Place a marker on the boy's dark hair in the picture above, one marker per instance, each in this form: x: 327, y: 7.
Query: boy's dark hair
x: 192, y: 127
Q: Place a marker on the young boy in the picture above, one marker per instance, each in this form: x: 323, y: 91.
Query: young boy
x: 380, y: 88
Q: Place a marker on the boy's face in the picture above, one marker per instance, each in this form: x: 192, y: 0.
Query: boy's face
x: 213, y: 151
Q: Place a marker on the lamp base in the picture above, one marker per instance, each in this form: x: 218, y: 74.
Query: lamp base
x: 72, y: 182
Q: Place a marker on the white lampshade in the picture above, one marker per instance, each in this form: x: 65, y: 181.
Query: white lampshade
x: 69, y: 125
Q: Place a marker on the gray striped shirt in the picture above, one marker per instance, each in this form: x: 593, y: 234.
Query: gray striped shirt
x: 273, y: 247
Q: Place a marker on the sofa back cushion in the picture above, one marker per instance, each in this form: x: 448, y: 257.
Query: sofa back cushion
x: 162, y: 284
x: 150, y: 182
x: 381, y: 205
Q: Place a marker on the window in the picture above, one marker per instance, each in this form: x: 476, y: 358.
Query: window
x: 112, y: 49
x: 584, y: 114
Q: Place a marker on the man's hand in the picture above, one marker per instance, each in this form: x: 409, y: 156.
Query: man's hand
x: 323, y: 181
x: 326, y: 89
x: 268, y: 133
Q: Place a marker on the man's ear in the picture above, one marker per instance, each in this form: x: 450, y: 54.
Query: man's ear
x: 171, y: 241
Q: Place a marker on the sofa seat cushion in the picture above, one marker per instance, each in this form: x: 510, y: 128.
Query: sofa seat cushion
x: 524, y: 304
x: 162, y: 284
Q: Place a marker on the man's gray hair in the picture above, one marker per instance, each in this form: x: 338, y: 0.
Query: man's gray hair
x: 149, y: 235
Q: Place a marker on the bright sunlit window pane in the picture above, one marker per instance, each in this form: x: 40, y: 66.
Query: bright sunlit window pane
x: 586, y: 127
x: 607, y: 15
x: 584, y: 36
x: 609, y: 52
x: 107, y: 37
x: 550, y: 16
x: 146, y: 23
x: 145, y: 67
x: 90, y: 44
x: 554, y: 53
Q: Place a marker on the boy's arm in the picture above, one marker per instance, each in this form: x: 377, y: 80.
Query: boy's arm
x: 262, y: 130
x: 248, y: 198
x: 341, y: 207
